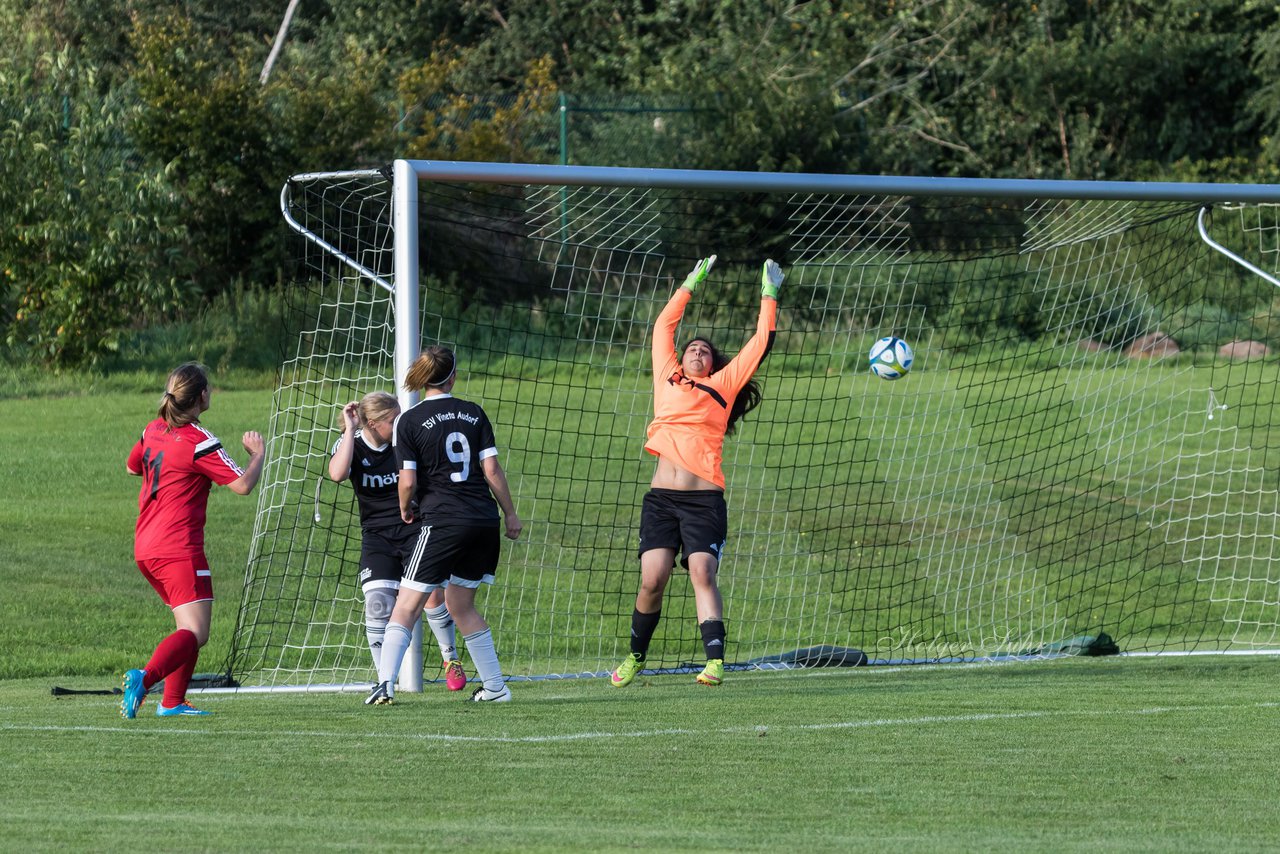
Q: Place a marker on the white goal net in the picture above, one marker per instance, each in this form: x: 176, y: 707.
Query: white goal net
x: 1071, y: 456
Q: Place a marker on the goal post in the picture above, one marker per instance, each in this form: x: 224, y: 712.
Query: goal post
x: 1069, y: 457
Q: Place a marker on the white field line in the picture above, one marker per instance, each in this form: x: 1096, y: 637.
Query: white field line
x: 759, y: 729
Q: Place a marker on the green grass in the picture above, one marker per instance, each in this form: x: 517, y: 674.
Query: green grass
x: 1074, y: 755
x: 68, y: 514
x: 33, y: 381
x: 74, y: 601
x: 1081, y: 754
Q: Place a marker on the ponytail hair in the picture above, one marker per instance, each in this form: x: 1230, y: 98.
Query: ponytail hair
x: 748, y: 398
x: 433, y: 368
x: 180, y: 403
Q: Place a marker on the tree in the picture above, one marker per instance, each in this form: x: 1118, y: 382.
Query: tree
x: 1109, y: 89
x: 89, y: 238
x: 443, y: 121
x: 229, y: 143
x: 811, y: 86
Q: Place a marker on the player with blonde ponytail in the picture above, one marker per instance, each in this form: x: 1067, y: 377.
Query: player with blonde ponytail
x: 363, y: 454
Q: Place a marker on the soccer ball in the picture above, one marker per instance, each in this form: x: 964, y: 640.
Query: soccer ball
x: 891, y: 358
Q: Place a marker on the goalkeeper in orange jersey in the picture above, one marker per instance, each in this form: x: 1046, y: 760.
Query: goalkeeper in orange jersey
x: 698, y: 397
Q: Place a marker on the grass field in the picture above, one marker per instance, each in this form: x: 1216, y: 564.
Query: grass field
x: 74, y: 602
x: 68, y: 512
x: 1124, y: 754
x: 968, y: 512
x: 1073, y: 755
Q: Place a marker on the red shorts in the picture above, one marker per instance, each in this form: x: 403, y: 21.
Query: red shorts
x: 179, y: 580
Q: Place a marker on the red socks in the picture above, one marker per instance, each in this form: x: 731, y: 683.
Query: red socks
x: 173, y: 661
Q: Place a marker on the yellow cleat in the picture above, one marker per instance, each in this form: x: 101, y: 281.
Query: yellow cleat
x: 713, y: 673
x: 627, y: 671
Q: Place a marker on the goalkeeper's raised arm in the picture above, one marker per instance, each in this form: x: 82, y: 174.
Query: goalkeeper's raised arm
x: 699, y: 395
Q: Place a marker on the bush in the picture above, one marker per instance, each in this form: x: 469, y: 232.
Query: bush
x: 238, y: 329
x: 1206, y: 326
x: 1264, y: 321
x: 89, y: 239
x: 984, y: 300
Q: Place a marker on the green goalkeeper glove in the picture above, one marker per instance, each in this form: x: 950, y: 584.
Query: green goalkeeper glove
x: 699, y: 273
x: 770, y: 279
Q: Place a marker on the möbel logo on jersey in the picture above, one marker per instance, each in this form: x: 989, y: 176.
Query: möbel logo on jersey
x: 379, y: 481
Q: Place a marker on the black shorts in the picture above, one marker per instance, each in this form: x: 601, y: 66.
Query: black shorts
x: 688, y: 521
x: 465, y: 555
x: 384, y: 553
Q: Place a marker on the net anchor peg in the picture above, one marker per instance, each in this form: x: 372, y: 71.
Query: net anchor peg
x: 1214, y: 406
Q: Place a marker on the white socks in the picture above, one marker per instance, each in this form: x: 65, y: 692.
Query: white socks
x: 442, y: 627
x: 485, y: 659
x: 395, y: 643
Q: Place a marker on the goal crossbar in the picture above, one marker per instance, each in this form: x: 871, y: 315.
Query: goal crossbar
x: 799, y: 182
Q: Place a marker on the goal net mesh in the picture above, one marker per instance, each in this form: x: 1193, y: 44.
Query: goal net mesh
x: 1059, y: 463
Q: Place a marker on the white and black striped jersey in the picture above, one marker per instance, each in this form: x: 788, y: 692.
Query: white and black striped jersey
x: 444, y: 439
x: 375, y: 476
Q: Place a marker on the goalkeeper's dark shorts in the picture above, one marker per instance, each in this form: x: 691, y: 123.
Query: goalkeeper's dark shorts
x: 465, y: 555
x: 687, y: 521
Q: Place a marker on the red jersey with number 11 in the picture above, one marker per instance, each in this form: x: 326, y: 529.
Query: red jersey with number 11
x: 178, y: 467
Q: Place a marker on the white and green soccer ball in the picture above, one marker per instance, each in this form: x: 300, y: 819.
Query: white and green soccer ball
x: 891, y: 358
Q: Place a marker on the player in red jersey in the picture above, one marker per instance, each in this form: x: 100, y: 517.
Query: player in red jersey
x: 178, y: 461
x: 698, y: 397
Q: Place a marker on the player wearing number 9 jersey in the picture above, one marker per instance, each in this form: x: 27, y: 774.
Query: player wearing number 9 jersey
x: 363, y: 454
x: 179, y: 461
x: 453, y: 486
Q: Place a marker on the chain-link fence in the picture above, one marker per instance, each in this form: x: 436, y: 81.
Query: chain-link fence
x: 579, y: 130
x: 564, y: 129
x: 613, y: 130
